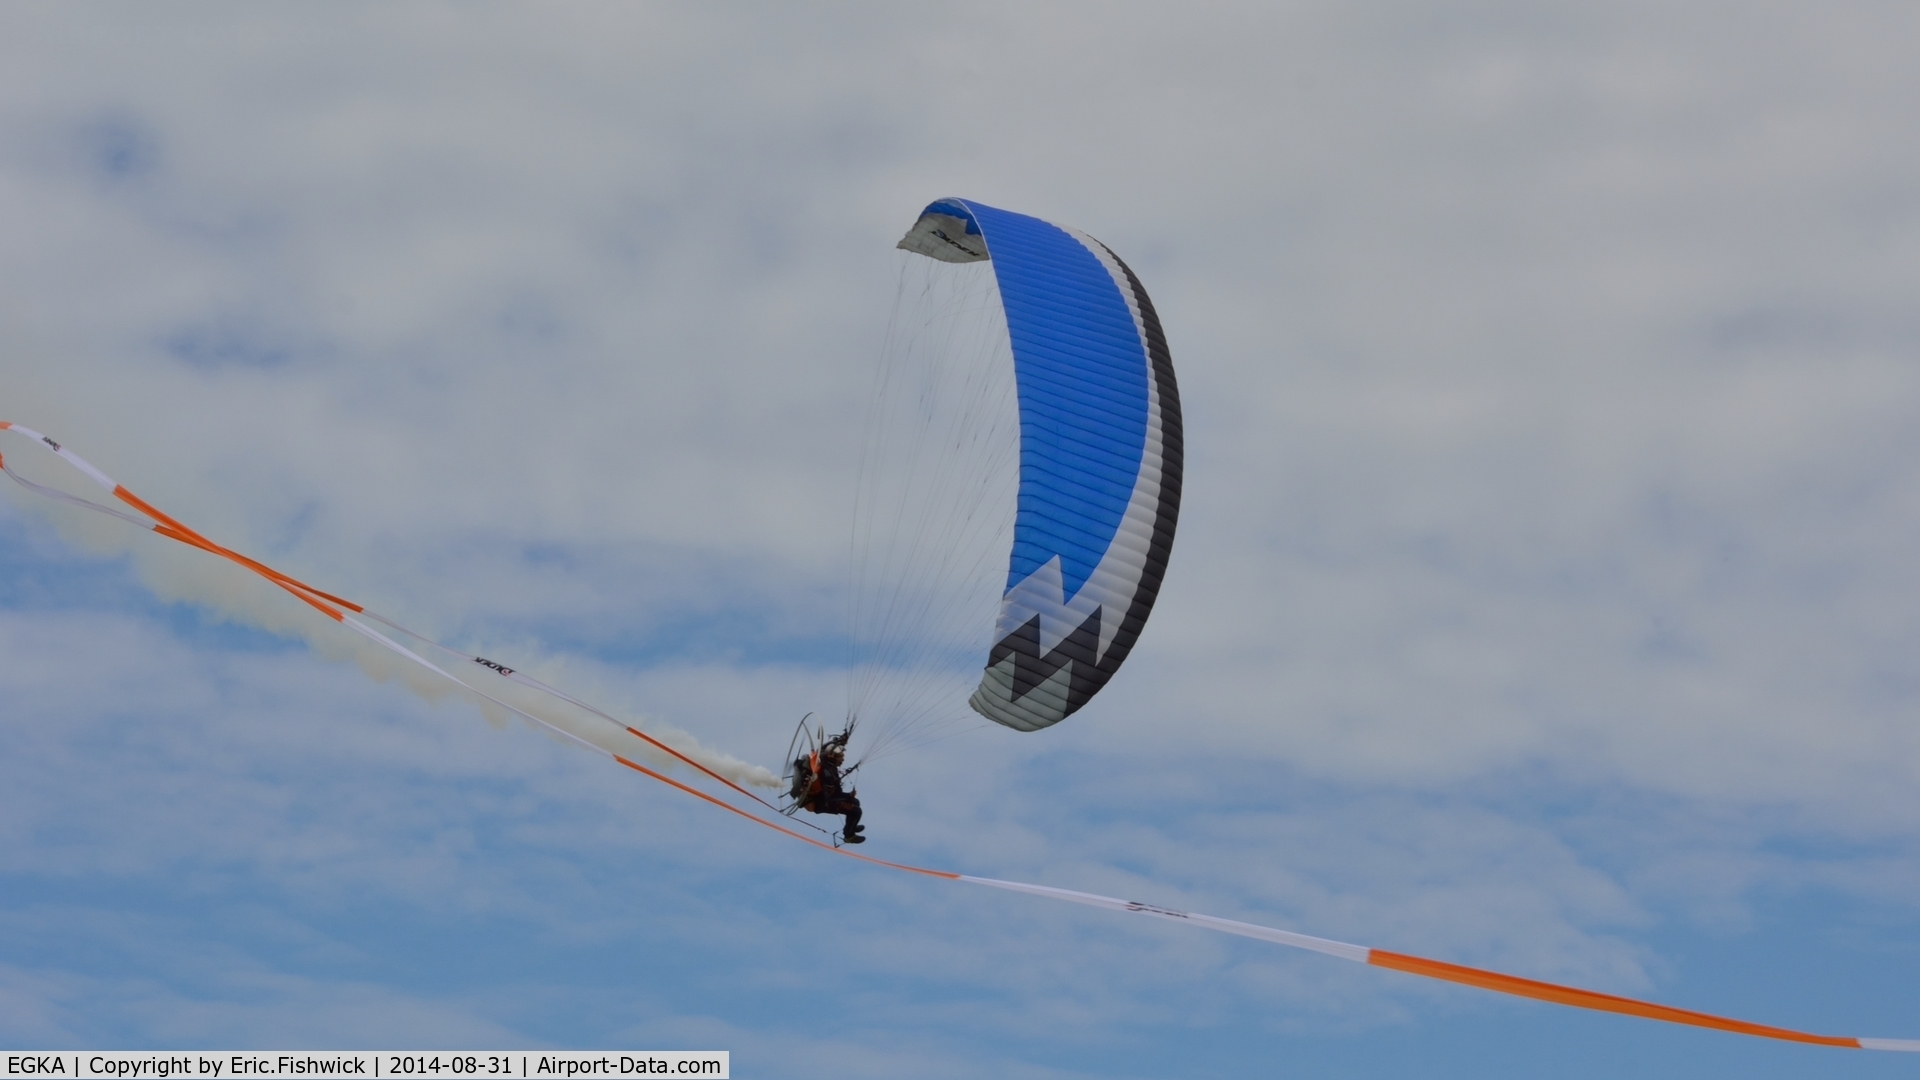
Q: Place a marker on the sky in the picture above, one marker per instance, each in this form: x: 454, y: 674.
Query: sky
x: 1543, y: 599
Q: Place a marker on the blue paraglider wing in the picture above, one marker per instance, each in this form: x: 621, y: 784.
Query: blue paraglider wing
x: 1100, y: 457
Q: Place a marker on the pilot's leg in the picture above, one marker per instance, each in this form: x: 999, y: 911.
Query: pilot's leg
x: 850, y: 832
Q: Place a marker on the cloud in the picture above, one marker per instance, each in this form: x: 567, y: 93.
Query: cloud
x: 1543, y: 597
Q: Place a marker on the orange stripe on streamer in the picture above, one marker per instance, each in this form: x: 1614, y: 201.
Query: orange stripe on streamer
x: 174, y: 529
x: 194, y: 539
x: 292, y: 585
x: 201, y: 541
x: 120, y: 492
x: 757, y: 820
x: 1589, y: 999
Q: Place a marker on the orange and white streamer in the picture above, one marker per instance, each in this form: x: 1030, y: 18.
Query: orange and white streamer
x: 357, y: 618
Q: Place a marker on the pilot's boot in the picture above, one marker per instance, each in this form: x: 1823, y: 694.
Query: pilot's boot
x: 852, y: 838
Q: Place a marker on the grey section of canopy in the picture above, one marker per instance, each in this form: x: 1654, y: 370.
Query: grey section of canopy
x: 944, y: 237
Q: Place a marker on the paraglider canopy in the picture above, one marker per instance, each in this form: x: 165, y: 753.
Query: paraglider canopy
x: 1100, y: 457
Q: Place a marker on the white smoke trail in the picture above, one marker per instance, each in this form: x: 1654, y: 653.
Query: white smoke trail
x: 177, y: 573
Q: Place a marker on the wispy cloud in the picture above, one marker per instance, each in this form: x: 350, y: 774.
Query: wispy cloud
x: 1544, y: 595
